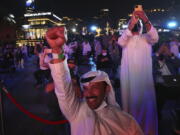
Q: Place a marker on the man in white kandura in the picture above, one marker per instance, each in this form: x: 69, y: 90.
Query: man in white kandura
x: 98, y: 113
x: 137, y: 87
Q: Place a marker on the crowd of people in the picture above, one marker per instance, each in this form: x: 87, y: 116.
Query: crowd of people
x: 95, y: 68
x: 12, y: 57
x: 136, y: 78
x: 91, y: 53
x: 130, y: 55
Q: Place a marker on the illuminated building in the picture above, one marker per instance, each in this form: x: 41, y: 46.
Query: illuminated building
x: 36, y: 24
x: 108, y: 28
x: 122, y: 23
x: 105, y: 20
x: 73, y: 25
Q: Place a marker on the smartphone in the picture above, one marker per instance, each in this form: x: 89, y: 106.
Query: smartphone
x: 138, y: 8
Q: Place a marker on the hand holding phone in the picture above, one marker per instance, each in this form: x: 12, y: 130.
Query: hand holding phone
x: 56, y: 37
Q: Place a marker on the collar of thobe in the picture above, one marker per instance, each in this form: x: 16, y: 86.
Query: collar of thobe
x: 104, y: 104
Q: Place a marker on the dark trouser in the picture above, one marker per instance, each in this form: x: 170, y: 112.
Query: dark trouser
x: 41, y: 75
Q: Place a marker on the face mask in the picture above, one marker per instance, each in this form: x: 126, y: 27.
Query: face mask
x: 104, y: 54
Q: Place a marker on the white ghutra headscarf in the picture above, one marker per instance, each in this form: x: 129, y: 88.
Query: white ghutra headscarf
x: 99, y: 76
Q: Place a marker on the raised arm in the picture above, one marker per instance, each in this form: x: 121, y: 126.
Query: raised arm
x: 152, y: 34
x: 67, y: 99
x: 123, y: 40
x: 65, y: 93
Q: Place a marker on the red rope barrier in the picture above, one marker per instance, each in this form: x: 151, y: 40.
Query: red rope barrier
x: 31, y: 115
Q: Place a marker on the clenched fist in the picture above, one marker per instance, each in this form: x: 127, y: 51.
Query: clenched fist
x: 56, y: 37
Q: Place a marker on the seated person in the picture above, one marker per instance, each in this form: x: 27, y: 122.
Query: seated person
x: 98, y: 113
x: 43, y: 73
x: 104, y: 62
x: 165, y: 63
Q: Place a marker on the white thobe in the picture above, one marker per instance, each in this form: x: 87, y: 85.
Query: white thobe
x: 86, y: 48
x: 137, y: 87
x: 67, y: 49
x: 106, y: 120
x: 24, y: 49
x: 98, y: 48
x: 43, y: 60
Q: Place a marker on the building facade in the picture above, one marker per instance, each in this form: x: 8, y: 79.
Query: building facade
x: 36, y: 24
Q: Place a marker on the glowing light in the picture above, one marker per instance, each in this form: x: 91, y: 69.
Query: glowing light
x: 73, y: 29
x: 57, y: 17
x: 172, y: 24
x: 93, y: 28
x: 37, y: 14
x: 25, y: 26
x: 11, y: 15
x: 159, y: 30
x: 44, y: 19
x: 166, y: 30
x: 124, y: 26
x: 29, y: 2
x: 98, y: 30
x: 105, y: 10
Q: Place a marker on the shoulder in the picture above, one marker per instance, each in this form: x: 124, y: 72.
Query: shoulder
x: 123, y: 116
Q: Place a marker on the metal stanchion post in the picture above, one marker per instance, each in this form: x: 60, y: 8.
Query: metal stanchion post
x: 2, y: 131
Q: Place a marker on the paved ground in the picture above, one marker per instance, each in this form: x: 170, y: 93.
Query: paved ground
x: 21, y: 85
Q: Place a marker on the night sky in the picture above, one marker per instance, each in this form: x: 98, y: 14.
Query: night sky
x: 81, y: 8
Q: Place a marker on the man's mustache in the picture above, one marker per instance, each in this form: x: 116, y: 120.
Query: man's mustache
x: 91, y: 97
